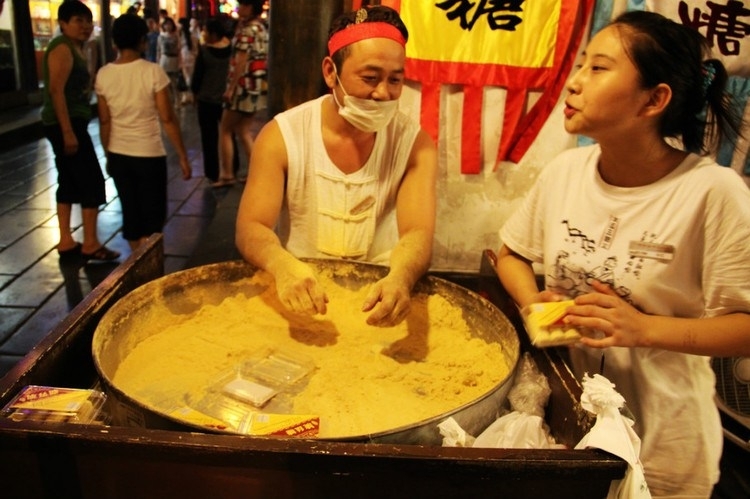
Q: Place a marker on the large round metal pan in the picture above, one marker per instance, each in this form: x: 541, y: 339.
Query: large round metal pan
x: 127, y: 323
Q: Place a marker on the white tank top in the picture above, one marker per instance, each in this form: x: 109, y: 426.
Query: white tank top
x: 330, y: 214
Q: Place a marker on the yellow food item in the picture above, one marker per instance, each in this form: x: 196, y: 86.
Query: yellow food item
x: 544, y: 324
x: 365, y: 379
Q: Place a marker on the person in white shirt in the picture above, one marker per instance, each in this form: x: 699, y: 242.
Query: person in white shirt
x: 355, y: 177
x: 648, y: 238
x: 134, y: 104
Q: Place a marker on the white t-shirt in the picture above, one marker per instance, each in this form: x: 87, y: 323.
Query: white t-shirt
x: 130, y: 90
x: 331, y: 214
x: 677, y: 247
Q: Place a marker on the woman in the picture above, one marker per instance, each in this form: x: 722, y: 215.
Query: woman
x: 243, y: 94
x: 189, y: 44
x: 133, y: 99
x: 209, y: 80
x: 168, y: 49
x: 655, y: 233
x: 66, y: 113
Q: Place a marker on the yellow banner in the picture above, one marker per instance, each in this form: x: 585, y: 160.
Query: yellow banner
x: 518, y: 33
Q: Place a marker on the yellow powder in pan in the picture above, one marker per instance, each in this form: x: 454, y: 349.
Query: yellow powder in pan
x: 365, y: 379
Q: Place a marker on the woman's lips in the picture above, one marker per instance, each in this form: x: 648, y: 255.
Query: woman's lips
x: 569, y: 111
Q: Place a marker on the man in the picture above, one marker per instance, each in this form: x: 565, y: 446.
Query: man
x: 152, y: 38
x: 66, y: 113
x: 355, y: 177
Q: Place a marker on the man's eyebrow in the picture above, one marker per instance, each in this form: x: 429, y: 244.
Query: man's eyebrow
x: 371, y: 67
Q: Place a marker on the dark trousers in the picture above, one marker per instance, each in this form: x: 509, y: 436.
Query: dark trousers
x: 142, y: 186
x: 79, y: 176
x: 209, y: 117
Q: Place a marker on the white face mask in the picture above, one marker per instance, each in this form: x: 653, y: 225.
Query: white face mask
x: 366, y: 114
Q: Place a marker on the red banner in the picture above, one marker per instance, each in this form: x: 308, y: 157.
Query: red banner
x: 520, y: 45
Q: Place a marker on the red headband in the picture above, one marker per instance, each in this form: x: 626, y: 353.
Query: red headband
x: 362, y: 31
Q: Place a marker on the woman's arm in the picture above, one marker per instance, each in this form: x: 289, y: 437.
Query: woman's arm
x: 105, y: 121
x: 172, y: 129
x: 624, y: 325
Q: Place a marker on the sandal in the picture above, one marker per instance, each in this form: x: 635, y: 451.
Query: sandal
x: 75, y: 250
x: 224, y: 182
x: 103, y: 254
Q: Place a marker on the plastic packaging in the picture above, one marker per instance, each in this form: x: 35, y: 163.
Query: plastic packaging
x: 51, y: 404
x: 524, y: 427
x: 544, y: 324
x: 256, y: 396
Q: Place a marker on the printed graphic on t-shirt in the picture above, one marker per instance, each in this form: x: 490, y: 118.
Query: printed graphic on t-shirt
x: 585, y: 259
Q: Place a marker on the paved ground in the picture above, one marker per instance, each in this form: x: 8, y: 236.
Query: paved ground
x: 37, y: 288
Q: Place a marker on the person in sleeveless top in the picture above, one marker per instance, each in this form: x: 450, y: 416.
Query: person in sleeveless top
x: 66, y: 113
x: 345, y: 176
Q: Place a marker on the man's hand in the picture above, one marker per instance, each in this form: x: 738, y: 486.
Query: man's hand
x: 70, y: 142
x: 390, y: 300
x: 299, y: 290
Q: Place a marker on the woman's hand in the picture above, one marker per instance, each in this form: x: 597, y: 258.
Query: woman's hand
x: 187, y: 171
x: 603, y: 310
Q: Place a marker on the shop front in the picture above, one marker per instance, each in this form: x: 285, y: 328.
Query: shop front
x: 44, y: 27
x: 26, y: 29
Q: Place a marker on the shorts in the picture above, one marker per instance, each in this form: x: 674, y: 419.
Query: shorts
x: 142, y: 186
x: 79, y: 176
x: 247, y: 102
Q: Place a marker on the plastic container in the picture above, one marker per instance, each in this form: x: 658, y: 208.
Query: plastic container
x: 276, y: 367
x: 51, y: 404
x: 544, y: 324
x: 256, y: 396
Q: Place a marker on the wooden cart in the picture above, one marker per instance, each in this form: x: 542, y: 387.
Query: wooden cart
x: 90, y: 461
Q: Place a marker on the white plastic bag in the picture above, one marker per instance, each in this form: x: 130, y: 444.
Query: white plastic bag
x: 613, y: 433
x: 516, y: 430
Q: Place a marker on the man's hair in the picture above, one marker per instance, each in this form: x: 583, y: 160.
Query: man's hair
x: 70, y: 8
x: 215, y: 26
x: 129, y: 31
x: 257, y: 5
x: 377, y: 13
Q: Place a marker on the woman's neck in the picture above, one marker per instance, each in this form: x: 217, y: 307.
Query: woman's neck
x: 634, y: 164
x: 127, y: 55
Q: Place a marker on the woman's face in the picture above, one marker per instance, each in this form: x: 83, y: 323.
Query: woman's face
x: 605, y: 96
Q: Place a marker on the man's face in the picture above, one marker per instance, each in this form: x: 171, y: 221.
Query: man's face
x: 244, y: 12
x: 374, y: 69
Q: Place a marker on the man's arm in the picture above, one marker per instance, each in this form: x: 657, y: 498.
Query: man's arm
x: 258, y: 213
x: 410, y: 258
x: 59, y: 66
